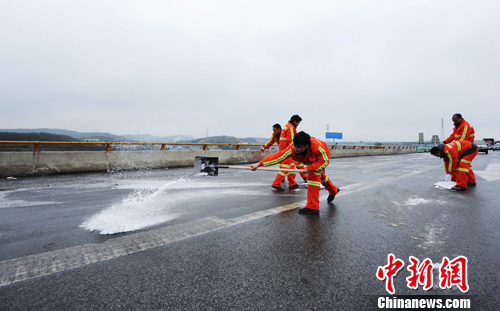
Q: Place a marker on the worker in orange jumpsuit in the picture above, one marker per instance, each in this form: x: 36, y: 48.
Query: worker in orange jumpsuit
x: 315, y: 154
x: 457, y: 157
x: 286, y: 138
x: 274, y: 139
x: 291, y: 131
x: 462, y: 130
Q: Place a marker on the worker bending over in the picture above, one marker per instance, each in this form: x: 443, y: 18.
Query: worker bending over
x: 315, y: 154
x: 457, y: 157
x: 275, y: 138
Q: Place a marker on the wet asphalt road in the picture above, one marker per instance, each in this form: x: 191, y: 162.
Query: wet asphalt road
x: 231, y: 243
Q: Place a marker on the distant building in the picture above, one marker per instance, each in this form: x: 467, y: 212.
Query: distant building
x: 435, y: 140
x: 421, y: 138
x: 91, y: 140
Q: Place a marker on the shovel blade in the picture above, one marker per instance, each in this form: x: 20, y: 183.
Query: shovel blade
x: 207, y: 165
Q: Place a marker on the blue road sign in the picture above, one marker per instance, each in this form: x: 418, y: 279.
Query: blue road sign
x: 333, y: 135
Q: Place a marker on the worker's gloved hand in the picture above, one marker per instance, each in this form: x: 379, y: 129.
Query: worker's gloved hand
x: 255, y: 166
x: 447, y: 178
x: 262, y: 149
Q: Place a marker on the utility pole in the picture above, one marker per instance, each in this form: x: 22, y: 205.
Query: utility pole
x: 442, y: 130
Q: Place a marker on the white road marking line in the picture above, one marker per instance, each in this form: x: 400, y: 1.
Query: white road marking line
x: 32, y: 266
x: 42, y: 264
x: 491, y: 173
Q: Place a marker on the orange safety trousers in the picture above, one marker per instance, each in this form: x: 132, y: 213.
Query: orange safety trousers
x: 464, y: 173
x: 314, y: 182
x: 287, y: 163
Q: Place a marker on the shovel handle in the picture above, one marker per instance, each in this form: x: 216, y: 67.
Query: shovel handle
x: 263, y: 168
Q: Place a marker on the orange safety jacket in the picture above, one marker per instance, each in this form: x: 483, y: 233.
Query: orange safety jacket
x: 272, y: 140
x: 287, y: 134
x: 316, y: 158
x: 454, y: 151
x: 464, y: 131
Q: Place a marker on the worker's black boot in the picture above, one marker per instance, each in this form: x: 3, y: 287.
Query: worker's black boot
x: 332, y: 196
x: 306, y: 210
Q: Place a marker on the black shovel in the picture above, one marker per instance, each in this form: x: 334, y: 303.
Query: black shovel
x: 211, y: 166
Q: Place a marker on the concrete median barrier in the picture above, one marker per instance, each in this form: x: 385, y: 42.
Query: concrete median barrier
x: 60, y: 162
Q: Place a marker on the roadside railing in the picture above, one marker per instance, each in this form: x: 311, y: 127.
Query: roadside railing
x: 36, y: 145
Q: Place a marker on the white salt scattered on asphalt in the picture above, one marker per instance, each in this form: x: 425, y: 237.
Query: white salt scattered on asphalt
x: 416, y: 201
x: 420, y: 201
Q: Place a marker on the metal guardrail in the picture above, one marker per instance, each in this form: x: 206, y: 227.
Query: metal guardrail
x: 36, y: 144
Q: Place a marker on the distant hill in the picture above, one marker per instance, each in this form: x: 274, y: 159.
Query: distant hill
x: 217, y: 139
x: 79, y: 135
x: 162, y: 139
x: 229, y: 140
x: 43, y: 137
x: 104, y: 136
x: 35, y: 137
x: 47, y: 134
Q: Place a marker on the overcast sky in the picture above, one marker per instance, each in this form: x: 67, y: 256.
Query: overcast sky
x: 374, y: 70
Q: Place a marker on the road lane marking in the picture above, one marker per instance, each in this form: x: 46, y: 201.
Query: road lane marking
x: 491, y: 173
x: 33, y: 266
x: 42, y: 264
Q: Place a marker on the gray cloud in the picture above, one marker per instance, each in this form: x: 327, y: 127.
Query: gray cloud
x: 375, y: 70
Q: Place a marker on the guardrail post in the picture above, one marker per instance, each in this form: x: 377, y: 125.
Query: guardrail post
x: 237, y: 147
x: 108, y: 147
x: 36, y: 147
x: 162, y: 147
x: 204, y: 147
